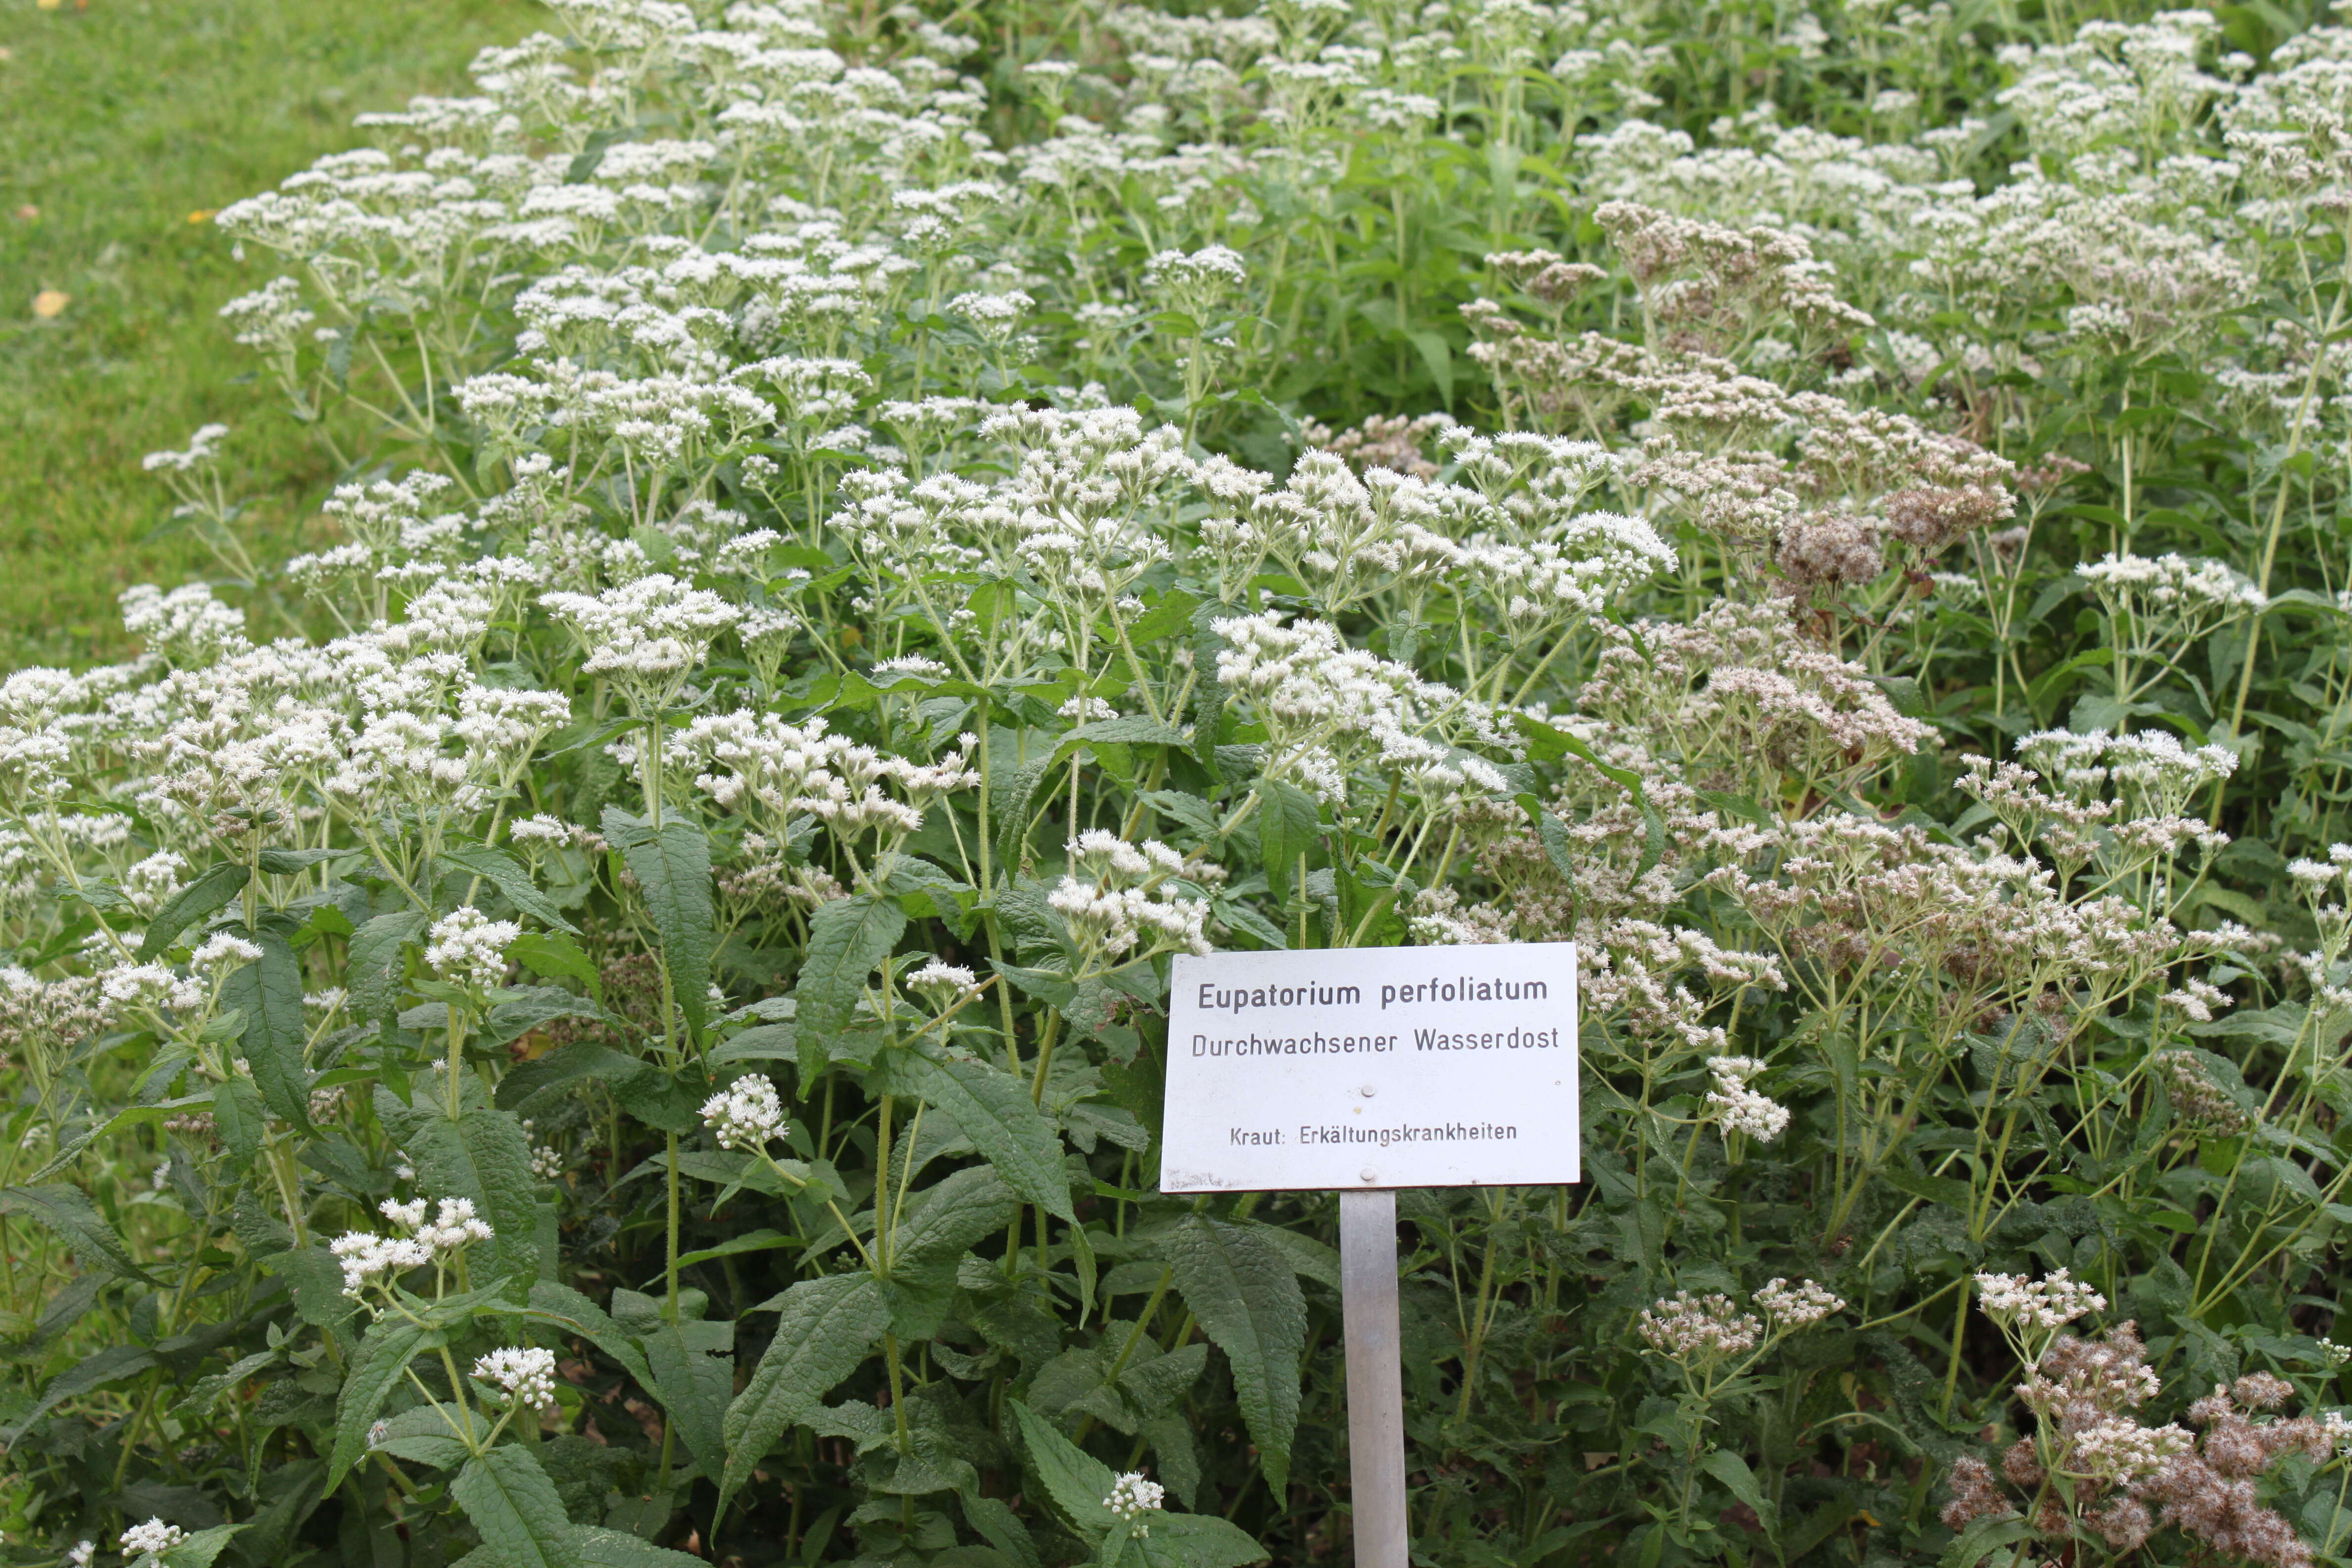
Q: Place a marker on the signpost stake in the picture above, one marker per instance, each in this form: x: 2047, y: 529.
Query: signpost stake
x: 1368, y: 1299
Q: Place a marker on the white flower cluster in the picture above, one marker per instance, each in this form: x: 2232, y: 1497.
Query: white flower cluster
x: 367, y: 1258
x: 942, y: 985
x: 1131, y: 1496
x: 1698, y: 1329
x: 526, y: 1374
x: 1798, y: 1306
x: 469, y: 947
x: 155, y: 1536
x: 2047, y: 1303
x: 1126, y: 897
x: 746, y: 1114
x: 1740, y: 1108
x: 2172, y: 580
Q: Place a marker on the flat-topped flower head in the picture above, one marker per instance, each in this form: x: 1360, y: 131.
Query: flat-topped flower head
x: 525, y: 1375
x: 1694, y: 1328
x: 746, y: 1114
x: 155, y: 1538
x: 1131, y: 1496
x: 2049, y: 1303
x: 1798, y: 1306
x: 469, y: 947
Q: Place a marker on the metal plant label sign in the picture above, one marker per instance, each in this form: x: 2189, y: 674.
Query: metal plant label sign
x: 1384, y: 1067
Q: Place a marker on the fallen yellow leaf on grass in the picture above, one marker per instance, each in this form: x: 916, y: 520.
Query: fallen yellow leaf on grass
x: 48, y: 4
x: 202, y: 213
x: 50, y: 302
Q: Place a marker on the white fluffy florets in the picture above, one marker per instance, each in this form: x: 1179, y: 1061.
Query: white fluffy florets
x: 467, y: 946
x: 746, y: 1114
x: 525, y: 1375
x: 1131, y: 1496
x: 153, y: 1536
x: 2047, y: 1303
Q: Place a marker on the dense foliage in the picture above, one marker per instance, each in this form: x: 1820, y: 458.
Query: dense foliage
x: 611, y: 1012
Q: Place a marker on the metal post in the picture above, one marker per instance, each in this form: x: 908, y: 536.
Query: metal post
x: 1367, y: 1300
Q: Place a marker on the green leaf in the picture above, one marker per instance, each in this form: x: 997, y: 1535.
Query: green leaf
x: 611, y: 1549
x: 761, y: 1042
x: 505, y: 873
x: 286, y: 862
x: 1073, y: 1478
x: 826, y: 1327
x: 1003, y: 1123
x: 1983, y: 1537
x: 1732, y: 1470
x: 375, y: 968
x: 760, y: 1240
x: 567, y: 1309
x: 199, y: 1550
x: 221, y: 881
x: 383, y: 1360
x: 268, y: 993
x: 68, y: 1212
x: 847, y: 937
x: 482, y: 1155
x: 1289, y: 828
x: 946, y: 1218
x: 673, y: 867
x: 1009, y: 795
x: 111, y: 1364
x: 556, y: 958
x: 1244, y: 1292
x: 532, y: 1082
x: 1196, y: 1540
x: 1135, y: 729
x: 1547, y: 742
x: 514, y: 1509
x: 693, y: 1384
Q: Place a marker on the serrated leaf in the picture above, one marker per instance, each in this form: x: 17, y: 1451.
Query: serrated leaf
x: 556, y: 957
x: 1196, y: 1540
x: 997, y: 1113
x: 373, y: 972
x: 483, y: 1155
x: 946, y: 1218
x: 673, y: 868
x: 1073, y: 1478
x: 385, y: 1355
x: 268, y: 993
x: 1983, y: 1537
x: 68, y: 1212
x: 826, y: 1327
x: 505, y: 873
x: 597, y: 1548
x: 579, y: 1062
x: 200, y: 1550
x: 567, y: 1309
x: 219, y: 882
x: 693, y: 1385
x: 847, y: 938
x: 1289, y: 829
x: 111, y: 1364
x: 1246, y: 1294
x: 514, y: 1508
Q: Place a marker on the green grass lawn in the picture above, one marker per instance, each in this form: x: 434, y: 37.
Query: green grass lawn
x: 122, y: 124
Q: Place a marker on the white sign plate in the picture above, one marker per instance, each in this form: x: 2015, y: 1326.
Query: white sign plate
x: 1376, y: 1067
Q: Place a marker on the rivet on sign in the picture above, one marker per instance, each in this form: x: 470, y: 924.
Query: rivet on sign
x: 1370, y: 1174
x: 1368, y: 1091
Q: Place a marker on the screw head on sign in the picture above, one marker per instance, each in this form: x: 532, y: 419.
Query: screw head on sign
x: 1368, y: 1090
x: 1370, y: 1174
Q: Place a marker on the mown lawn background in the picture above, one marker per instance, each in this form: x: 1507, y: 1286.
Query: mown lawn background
x: 123, y: 124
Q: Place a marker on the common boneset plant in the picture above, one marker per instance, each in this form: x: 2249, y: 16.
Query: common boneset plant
x: 603, y: 1003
